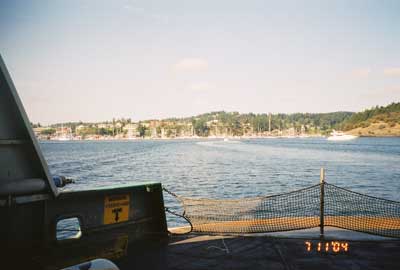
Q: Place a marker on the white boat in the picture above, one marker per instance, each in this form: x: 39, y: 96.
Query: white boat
x: 340, y: 136
x: 63, y: 137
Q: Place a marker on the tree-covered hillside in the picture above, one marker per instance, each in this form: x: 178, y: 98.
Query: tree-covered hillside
x: 377, y: 121
x: 385, y: 114
x: 237, y: 123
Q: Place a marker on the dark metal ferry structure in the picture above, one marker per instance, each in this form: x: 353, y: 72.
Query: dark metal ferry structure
x: 32, y: 209
x: 124, y: 227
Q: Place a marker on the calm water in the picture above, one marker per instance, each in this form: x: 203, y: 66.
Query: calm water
x: 232, y: 169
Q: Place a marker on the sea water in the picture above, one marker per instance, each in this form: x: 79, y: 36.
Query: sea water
x: 214, y: 168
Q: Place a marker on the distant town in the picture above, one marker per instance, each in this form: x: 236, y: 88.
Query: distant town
x: 377, y: 121
x: 210, y: 125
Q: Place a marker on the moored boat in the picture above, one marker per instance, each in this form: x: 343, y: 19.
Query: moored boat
x: 340, y: 136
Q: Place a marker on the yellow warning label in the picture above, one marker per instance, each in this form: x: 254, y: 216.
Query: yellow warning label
x: 116, y: 208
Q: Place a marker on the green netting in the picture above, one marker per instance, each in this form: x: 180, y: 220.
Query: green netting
x: 295, y: 210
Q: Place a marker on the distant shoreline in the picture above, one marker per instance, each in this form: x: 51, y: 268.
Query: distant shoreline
x: 207, y: 138
x: 379, y: 129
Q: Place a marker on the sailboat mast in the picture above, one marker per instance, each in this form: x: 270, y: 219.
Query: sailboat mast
x: 269, y: 123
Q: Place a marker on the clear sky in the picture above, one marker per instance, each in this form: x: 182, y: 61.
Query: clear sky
x: 95, y: 60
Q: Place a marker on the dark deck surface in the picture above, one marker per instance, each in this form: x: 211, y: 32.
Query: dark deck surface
x: 262, y: 252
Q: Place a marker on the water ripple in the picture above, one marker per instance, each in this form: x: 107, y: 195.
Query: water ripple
x: 218, y: 169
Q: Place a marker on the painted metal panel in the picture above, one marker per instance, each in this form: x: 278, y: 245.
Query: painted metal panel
x: 20, y: 156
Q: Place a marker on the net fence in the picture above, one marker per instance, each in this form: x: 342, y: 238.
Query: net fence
x: 358, y: 212
x: 300, y: 209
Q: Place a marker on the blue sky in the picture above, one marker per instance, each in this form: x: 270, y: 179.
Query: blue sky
x: 95, y: 60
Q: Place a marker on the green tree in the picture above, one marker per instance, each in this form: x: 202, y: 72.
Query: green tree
x: 48, y: 132
x: 142, y: 130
